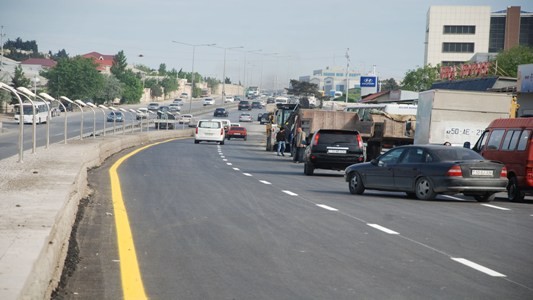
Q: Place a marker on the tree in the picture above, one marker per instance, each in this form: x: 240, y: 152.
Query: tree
x: 19, y: 79
x: 76, y: 78
x: 389, y: 85
x: 508, y: 60
x: 133, y: 87
x: 169, y: 84
x: 162, y: 69
x: 59, y: 55
x: 112, y: 88
x: 119, y: 64
x: 420, y: 79
x: 303, y: 88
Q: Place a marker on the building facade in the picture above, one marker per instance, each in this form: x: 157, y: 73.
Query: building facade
x: 458, y: 34
x: 333, y: 79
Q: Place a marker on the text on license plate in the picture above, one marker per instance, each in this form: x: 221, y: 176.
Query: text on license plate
x: 482, y: 172
x: 336, y: 151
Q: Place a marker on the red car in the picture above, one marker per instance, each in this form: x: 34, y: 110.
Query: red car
x: 236, y: 132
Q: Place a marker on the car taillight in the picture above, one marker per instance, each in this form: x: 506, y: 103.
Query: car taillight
x: 529, y: 176
x: 196, y: 130
x: 315, y: 140
x: 503, y: 173
x: 222, y: 131
x: 455, y: 171
x: 360, y: 141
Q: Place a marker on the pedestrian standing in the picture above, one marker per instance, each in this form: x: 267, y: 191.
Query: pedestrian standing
x: 280, y: 139
x: 300, y: 144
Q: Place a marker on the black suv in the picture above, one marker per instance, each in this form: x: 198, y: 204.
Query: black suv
x: 244, y: 105
x: 220, y: 112
x: 333, y: 149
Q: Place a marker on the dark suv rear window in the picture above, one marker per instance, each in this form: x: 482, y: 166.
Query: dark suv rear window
x: 337, y: 138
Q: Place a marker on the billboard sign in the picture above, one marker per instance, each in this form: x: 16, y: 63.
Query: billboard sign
x: 368, y: 81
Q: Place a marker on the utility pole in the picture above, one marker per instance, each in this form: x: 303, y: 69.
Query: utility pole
x: 347, y: 72
x: 2, y: 34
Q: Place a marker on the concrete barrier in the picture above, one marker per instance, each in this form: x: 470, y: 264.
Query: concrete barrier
x: 38, y: 204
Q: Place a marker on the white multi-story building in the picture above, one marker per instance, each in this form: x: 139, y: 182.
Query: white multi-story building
x: 458, y: 34
x: 455, y: 33
x: 333, y: 79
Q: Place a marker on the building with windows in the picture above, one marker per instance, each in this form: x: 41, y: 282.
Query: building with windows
x: 458, y: 34
x: 333, y: 79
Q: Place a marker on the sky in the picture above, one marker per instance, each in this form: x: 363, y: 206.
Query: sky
x: 262, y: 43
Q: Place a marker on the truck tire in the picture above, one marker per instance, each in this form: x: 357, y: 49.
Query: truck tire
x: 196, y: 141
x: 355, y: 184
x: 514, y: 194
x: 424, y: 189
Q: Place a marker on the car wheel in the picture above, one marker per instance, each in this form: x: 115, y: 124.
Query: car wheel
x: 196, y: 141
x: 229, y: 138
x: 245, y: 138
x: 309, y: 169
x: 424, y: 189
x: 487, y: 197
x: 222, y: 142
x: 356, y: 184
x: 514, y: 194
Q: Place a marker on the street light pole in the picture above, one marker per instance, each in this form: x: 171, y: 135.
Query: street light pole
x: 29, y: 93
x: 224, y: 71
x: 50, y: 98
x: 21, y: 119
x: 81, y: 123
x: 192, y: 71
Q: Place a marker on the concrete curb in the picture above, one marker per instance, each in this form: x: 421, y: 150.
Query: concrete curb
x: 38, y: 204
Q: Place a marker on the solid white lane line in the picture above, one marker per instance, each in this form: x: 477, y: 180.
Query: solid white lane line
x: 290, y: 193
x: 327, y: 207
x: 236, y: 169
x: 496, y: 207
x: 386, y: 230
x: 247, y: 174
x: 229, y: 164
x: 480, y: 268
x: 265, y: 182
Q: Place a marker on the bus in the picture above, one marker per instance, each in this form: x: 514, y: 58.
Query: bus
x: 41, y: 112
x: 363, y: 110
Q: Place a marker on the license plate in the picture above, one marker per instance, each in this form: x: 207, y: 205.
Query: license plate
x: 208, y: 133
x: 336, y: 151
x: 237, y: 134
x: 482, y: 172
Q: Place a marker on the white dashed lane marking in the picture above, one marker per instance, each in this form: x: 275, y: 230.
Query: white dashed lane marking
x: 247, y: 174
x: 496, y: 207
x: 327, y: 207
x: 290, y: 193
x: 480, y: 268
x: 265, y: 182
x: 384, y: 229
x: 236, y: 169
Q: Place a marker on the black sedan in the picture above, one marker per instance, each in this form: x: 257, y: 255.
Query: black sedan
x: 423, y: 171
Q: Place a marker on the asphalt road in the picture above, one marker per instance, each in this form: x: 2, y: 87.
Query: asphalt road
x: 236, y: 222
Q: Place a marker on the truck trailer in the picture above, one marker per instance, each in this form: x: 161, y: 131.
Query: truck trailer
x: 457, y: 117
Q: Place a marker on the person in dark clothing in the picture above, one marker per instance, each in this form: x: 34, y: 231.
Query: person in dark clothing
x: 281, y: 139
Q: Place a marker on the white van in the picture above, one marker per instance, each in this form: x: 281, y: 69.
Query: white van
x: 210, y: 131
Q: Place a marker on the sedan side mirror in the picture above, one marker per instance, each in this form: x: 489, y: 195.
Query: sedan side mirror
x: 374, y: 162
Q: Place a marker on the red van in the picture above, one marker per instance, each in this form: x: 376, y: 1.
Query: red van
x: 510, y: 141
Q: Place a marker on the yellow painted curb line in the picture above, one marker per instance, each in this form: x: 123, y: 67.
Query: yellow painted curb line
x: 132, y: 285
